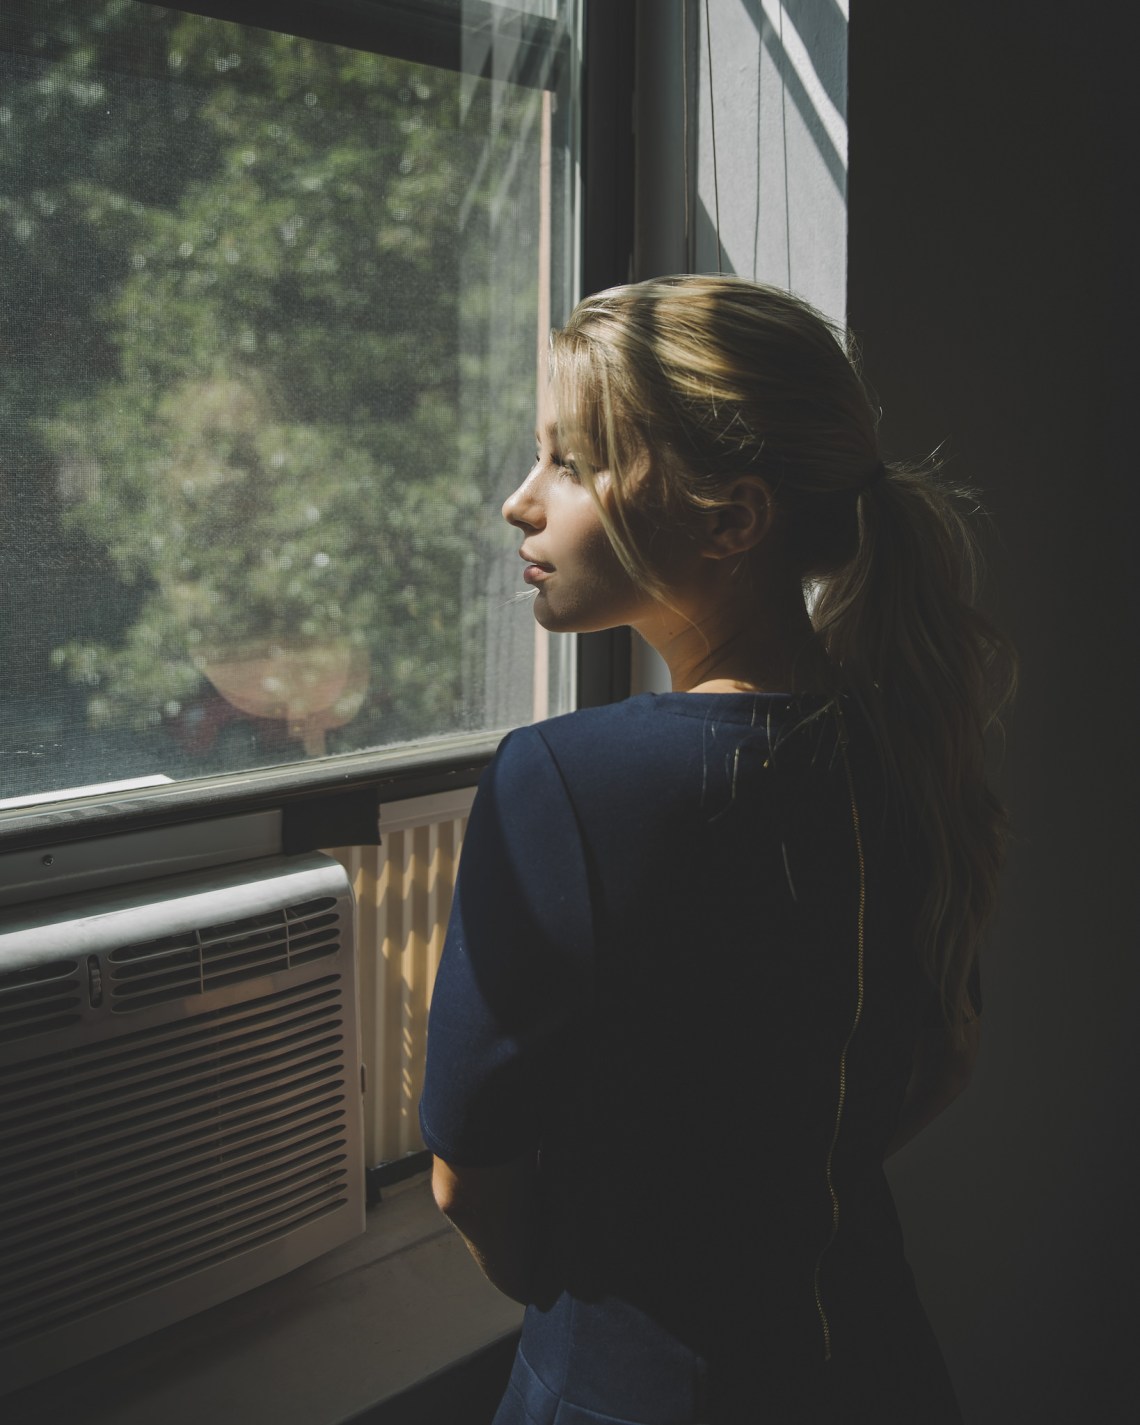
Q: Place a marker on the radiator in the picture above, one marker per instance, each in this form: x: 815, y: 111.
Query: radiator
x: 179, y: 1101
x: 403, y: 892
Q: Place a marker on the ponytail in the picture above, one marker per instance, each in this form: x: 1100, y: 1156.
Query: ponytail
x: 899, y: 619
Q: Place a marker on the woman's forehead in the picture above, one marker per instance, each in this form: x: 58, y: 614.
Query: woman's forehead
x: 557, y: 418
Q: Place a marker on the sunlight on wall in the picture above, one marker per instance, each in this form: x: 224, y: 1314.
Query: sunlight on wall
x: 779, y: 101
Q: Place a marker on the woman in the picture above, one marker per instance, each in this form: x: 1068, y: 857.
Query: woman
x: 711, y: 953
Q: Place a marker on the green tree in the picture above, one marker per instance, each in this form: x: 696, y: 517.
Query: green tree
x: 266, y: 451
x: 63, y: 134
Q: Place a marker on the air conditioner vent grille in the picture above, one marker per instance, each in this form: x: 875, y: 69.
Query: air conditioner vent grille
x: 37, y: 999
x: 215, y: 956
x: 130, y: 1163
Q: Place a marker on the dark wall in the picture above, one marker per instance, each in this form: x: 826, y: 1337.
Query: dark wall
x: 991, y: 284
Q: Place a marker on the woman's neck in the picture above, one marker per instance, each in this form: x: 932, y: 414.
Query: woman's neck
x: 768, y: 646
x: 778, y: 667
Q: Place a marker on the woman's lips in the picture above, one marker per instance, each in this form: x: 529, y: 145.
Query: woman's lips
x: 535, y: 570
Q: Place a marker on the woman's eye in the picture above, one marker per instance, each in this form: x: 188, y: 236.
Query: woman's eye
x: 560, y: 464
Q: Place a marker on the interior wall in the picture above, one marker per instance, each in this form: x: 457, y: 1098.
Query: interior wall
x: 991, y: 290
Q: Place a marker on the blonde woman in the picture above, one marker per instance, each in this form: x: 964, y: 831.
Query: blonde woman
x: 712, y: 952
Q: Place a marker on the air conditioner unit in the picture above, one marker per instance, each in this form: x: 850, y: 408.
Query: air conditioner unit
x: 180, y: 1101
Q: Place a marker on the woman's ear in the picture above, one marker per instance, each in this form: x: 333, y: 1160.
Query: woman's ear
x: 741, y: 522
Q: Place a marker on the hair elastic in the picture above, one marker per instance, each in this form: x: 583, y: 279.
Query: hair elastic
x: 879, y: 473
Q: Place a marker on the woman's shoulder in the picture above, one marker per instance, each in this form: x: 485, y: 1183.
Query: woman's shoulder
x: 589, y: 740
x: 663, y: 718
x: 665, y: 749
x: 606, y: 720
x: 653, y: 734
x: 638, y: 724
x: 678, y: 751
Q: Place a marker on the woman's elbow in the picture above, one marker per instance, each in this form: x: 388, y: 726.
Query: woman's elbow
x: 445, y: 1188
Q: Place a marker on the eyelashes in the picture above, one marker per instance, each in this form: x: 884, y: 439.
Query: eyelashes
x: 565, y: 467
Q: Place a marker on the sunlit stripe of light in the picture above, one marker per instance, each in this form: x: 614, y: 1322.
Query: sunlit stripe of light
x: 834, y: 123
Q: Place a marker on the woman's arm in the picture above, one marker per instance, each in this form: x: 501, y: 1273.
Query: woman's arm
x: 494, y: 1210
x: 942, y: 1068
x: 513, y: 982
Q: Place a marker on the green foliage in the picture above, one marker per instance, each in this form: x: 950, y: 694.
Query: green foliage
x: 251, y: 386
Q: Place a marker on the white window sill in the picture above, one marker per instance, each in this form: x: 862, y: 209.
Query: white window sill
x: 315, y: 1347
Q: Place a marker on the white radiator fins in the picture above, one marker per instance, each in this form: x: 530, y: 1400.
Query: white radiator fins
x: 403, y: 894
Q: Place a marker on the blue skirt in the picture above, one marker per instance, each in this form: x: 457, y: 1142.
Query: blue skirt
x: 606, y: 1362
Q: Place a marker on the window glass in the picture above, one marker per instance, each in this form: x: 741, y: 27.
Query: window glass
x: 272, y: 310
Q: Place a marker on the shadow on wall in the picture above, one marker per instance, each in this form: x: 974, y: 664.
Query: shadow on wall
x: 706, y: 238
x: 807, y: 40
x: 992, y: 280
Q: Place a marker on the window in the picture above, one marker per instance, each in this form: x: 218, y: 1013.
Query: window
x: 273, y: 280
x: 273, y: 305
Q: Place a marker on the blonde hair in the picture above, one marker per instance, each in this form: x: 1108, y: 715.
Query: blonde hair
x: 715, y: 377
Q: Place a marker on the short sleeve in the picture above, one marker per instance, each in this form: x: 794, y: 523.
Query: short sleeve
x: 515, y: 969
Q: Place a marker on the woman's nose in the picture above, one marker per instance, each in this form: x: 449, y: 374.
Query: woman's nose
x: 522, y: 508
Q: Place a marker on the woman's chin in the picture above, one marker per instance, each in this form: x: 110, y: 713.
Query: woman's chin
x: 555, y: 620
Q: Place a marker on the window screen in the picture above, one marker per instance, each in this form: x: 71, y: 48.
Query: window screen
x: 272, y: 310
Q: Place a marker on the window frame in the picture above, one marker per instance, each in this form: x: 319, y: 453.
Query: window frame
x: 346, y: 790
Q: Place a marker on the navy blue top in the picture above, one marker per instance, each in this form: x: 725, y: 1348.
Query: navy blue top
x: 650, y: 976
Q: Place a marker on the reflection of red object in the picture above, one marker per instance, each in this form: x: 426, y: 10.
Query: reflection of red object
x: 207, y: 724
x: 311, y: 690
